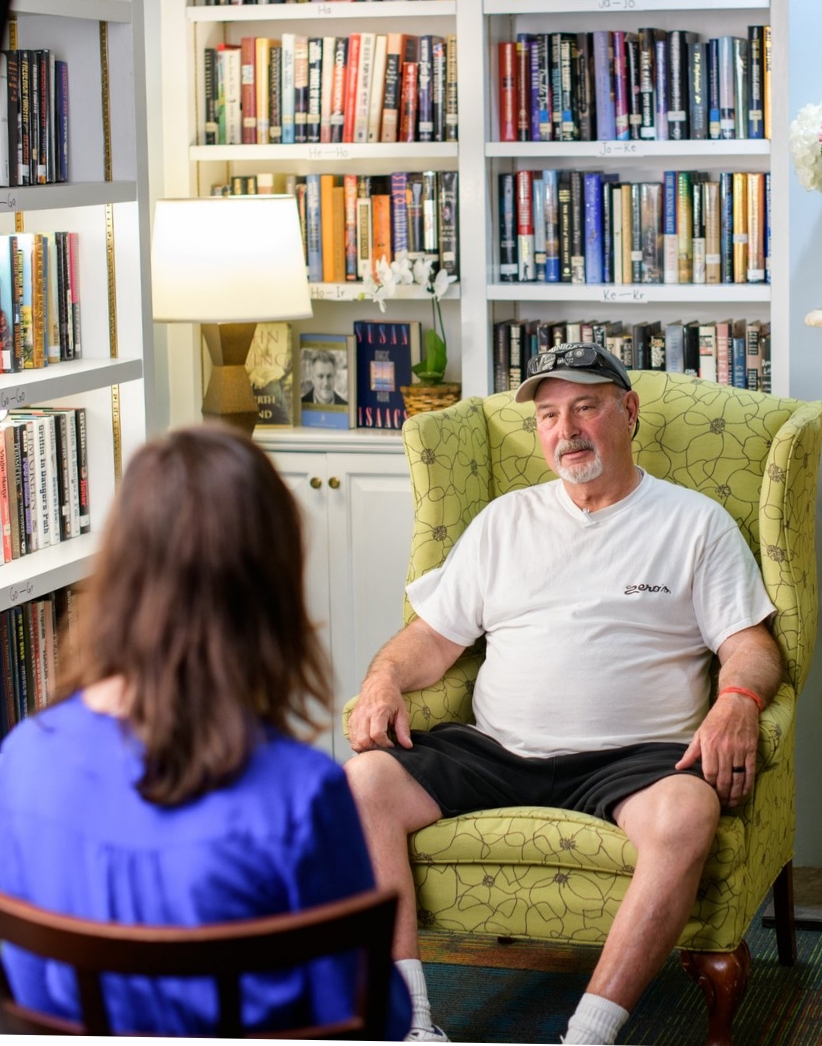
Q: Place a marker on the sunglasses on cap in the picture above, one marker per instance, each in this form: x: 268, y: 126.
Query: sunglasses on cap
x: 583, y: 356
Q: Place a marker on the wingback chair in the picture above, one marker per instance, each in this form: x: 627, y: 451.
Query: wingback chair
x: 549, y: 874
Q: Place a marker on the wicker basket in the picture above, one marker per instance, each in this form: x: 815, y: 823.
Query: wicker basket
x: 430, y: 397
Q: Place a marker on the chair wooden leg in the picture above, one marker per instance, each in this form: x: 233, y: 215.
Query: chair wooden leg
x: 785, y: 916
x: 723, y: 978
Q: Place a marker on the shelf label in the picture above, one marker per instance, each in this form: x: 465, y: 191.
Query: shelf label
x: 328, y: 152
x: 8, y: 202
x: 630, y: 295
x: 20, y: 593
x: 12, y: 398
x: 333, y: 291
x: 632, y: 148
x: 619, y: 5
x: 324, y: 9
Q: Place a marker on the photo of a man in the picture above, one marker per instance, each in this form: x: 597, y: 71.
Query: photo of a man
x: 323, y: 377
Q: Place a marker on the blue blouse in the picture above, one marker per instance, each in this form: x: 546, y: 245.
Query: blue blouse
x: 77, y: 838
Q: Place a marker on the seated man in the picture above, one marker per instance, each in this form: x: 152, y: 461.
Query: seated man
x: 603, y: 597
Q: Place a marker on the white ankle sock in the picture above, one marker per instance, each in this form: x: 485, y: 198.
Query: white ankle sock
x: 412, y: 974
x: 596, y: 1020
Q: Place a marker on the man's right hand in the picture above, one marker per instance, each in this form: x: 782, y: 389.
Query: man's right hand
x: 379, y: 710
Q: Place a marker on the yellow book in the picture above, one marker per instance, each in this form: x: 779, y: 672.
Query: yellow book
x: 713, y: 255
x: 327, y: 225
x: 740, y: 188
x: 756, y: 227
x: 338, y: 233
x: 262, y: 47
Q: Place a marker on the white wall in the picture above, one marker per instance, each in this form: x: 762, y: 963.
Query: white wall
x: 806, y: 383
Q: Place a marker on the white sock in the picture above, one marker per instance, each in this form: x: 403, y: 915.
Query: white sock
x: 412, y: 974
x: 595, y: 1020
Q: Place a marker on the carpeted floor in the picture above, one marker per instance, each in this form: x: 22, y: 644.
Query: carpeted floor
x: 493, y: 1003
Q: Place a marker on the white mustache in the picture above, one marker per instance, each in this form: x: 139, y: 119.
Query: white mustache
x: 569, y: 446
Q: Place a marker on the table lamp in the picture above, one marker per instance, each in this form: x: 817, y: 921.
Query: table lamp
x: 229, y: 263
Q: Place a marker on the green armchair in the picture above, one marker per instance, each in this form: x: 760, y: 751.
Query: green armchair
x: 547, y: 874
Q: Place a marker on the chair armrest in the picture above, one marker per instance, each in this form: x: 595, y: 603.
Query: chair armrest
x: 448, y: 701
x: 775, y: 727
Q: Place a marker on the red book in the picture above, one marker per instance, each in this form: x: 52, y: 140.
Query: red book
x: 507, y: 91
x: 248, y: 90
x: 408, y: 102
x: 352, y: 69
x: 525, y: 226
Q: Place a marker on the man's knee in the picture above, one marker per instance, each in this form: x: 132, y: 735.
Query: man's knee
x: 678, y: 814
x: 383, y: 788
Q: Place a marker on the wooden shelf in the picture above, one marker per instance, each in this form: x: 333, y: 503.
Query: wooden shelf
x: 65, y: 379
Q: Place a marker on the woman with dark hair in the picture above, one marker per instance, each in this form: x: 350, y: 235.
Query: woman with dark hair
x: 169, y: 784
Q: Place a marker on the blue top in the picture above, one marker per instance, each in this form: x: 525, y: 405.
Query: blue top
x: 77, y: 838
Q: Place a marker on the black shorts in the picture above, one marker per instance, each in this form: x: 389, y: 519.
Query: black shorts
x: 464, y: 770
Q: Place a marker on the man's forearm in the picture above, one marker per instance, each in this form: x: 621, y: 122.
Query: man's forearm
x: 414, y: 658
x: 752, y: 660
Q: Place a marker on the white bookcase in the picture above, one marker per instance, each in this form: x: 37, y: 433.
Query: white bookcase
x: 105, y: 201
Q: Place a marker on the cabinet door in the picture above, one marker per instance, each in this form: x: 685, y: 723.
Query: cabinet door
x: 370, y: 519
x: 306, y: 476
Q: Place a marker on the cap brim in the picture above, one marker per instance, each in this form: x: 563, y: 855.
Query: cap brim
x: 528, y: 389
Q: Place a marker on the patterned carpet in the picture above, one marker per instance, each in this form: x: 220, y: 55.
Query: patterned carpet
x: 504, y: 1003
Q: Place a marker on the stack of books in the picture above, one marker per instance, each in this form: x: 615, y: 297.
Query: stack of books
x: 34, y: 142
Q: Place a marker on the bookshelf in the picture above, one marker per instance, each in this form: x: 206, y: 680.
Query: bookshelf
x: 105, y: 202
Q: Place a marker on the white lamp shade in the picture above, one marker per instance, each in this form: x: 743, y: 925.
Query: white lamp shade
x: 228, y: 260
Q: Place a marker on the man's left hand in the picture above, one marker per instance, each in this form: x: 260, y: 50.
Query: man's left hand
x: 727, y: 739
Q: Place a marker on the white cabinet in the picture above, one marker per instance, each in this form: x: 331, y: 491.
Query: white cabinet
x: 105, y: 202
x: 356, y: 499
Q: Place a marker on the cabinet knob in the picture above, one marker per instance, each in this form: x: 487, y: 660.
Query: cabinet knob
x: 315, y: 482
x: 334, y: 483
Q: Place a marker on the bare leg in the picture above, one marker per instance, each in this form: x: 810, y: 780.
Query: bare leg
x: 672, y: 825
x: 391, y: 805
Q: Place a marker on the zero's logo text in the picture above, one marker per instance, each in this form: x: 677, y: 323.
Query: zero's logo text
x: 632, y: 590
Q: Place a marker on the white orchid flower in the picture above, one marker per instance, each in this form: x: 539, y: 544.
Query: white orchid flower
x: 442, y: 282
x: 401, y: 268
x: 422, y: 270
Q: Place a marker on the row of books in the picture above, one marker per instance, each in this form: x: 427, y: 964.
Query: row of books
x: 35, y: 638
x: 731, y: 352
x: 39, y: 300
x: 334, y: 381
x: 617, y: 86
x: 350, y: 222
x: 44, y: 487
x: 366, y: 87
x: 33, y: 118
x: 589, y: 227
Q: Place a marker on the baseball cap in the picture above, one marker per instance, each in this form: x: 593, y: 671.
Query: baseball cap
x: 579, y: 362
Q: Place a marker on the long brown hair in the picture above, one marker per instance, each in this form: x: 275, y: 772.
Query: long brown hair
x: 197, y: 602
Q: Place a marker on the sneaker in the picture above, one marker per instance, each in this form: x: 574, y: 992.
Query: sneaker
x: 432, y: 1034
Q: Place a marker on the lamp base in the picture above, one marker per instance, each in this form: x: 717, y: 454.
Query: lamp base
x: 229, y: 397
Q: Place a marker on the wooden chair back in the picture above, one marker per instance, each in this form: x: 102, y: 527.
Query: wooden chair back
x: 224, y: 951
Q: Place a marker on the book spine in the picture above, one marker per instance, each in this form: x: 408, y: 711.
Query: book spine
x: 381, y: 227
x: 82, y: 469
x: 768, y: 226
x: 634, y: 98
x: 714, y: 122
x: 544, y: 88
x: 408, y: 102
x: 727, y: 108
x: 365, y: 77
x: 74, y: 286
x: 756, y: 107
x: 698, y: 236
x: 430, y: 214
x: 550, y: 188
x: 5, y: 504
x: 526, y: 272
x: 538, y: 195
x: 568, y: 61
x: 248, y: 91
x: 391, y: 90
x: 508, y: 104
x: 740, y: 60
x: 684, y: 226
x: 533, y: 87
x: 314, y: 228
x: 425, y: 101
x: 287, y: 92
x: 275, y: 74
x: 697, y: 90
x: 592, y: 199
x: 622, y: 110
x: 556, y: 85
x: 616, y: 226
x: 336, y: 116
x: 564, y: 198
x: 350, y: 197
x: 399, y: 212
x: 636, y: 233
x: 650, y: 202
x: 726, y: 235
x: 753, y: 358
x: 448, y: 222
x: 767, y: 74
x: 506, y: 209
x: 523, y: 75
x: 352, y: 73
x: 210, y: 95
x: 723, y: 352
x: 670, y: 246
x: 661, y: 86
x: 585, y: 88
x: 451, y: 90
x: 501, y: 356
x: 713, y: 251
x: 708, y: 370
x: 327, y: 182
x: 415, y: 221
x: 678, y: 110
x: 313, y: 116
x: 438, y: 88
x: 740, y: 227
x: 328, y: 70
x: 647, y: 84
x: 300, y: 89
x: 516, y: 334
x: 756, y: 227
x: 577, y: 227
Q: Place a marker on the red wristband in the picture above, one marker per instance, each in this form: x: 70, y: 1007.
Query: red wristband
x: 757, y: 700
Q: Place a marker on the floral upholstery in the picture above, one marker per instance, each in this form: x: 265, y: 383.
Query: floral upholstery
x: 551, y: 874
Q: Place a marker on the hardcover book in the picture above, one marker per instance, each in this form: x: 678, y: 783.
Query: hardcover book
x: 270, y: 369
x: 385, y: 353
x: 326, y: 385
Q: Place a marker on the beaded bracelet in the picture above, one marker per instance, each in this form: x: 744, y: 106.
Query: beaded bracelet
x: 746, y: 693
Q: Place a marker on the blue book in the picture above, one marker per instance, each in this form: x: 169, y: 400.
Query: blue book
x: 313, y: 228
x: 739, y: 371
x: 399, y: 212
x: 756, y: 68
x: 539, y: 227
x: 550, y: 190
x: 661, y: 86
x: 726, y: 226
x: 507, y: 228
x: 670, y: 247
x: 385, y: 354
x: 61, y: 105
x: 727, y: 96
x: 533, y: 60
x: 603, y: 85
x: 425, y: 97
x: 768, y: 226
x: 287, y: 93
x: 556, y: 84
x: 543, y: 41
x: 592, y: 202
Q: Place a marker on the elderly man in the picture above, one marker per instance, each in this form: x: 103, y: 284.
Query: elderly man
x: 603, y: 597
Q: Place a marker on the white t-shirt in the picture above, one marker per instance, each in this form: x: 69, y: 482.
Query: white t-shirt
x: 600, y: 626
